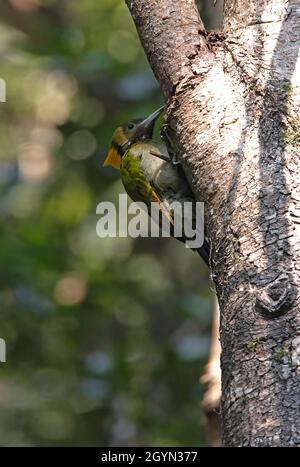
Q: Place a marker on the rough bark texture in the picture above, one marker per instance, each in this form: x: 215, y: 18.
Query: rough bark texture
x: 233, y: 99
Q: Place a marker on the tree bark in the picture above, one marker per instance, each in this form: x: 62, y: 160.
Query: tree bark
x: 233, y: 98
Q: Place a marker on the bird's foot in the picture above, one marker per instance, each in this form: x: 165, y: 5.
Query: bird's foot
x: 174, y: 159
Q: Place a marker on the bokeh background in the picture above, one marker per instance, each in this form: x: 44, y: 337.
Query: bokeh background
x: 106, y: 338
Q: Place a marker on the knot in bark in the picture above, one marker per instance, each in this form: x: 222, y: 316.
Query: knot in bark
x: 276, y: 298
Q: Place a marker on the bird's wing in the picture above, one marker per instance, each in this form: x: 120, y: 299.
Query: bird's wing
x: 166, y: 214
x: 156, y: 153
x: 175, y: 188
x: 139, y: 184
x: 149, y: 178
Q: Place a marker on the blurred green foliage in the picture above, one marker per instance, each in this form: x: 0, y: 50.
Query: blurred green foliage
x: 105, y: 338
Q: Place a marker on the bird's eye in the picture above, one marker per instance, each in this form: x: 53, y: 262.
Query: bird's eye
x: 130, y: 126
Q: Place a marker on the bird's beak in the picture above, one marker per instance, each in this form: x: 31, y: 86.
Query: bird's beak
x: 113, y: 158
x: 146, y: 127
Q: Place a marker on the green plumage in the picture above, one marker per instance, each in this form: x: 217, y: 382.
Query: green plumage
x: 148, y: 175
x: 133, y: 177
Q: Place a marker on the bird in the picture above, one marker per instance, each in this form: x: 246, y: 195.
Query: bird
x: 151, y: 173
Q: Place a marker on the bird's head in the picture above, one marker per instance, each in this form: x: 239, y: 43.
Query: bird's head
x: 124, y: 136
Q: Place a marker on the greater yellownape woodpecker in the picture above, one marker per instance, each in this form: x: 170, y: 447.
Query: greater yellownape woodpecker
x: 148, y: 171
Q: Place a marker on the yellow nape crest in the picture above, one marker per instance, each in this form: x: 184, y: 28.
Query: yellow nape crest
x: 114, y: 158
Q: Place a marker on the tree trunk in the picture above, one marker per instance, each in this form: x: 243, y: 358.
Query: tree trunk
x: 233, y: 98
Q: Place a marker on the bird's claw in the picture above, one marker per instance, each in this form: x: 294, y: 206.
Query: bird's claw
x: 166, y: 138
x: 174, y: 160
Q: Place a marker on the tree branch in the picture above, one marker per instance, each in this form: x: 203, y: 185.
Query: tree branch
x: 173, y: 37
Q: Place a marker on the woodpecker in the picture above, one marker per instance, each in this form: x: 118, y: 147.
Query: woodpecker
x: 149, y: 172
